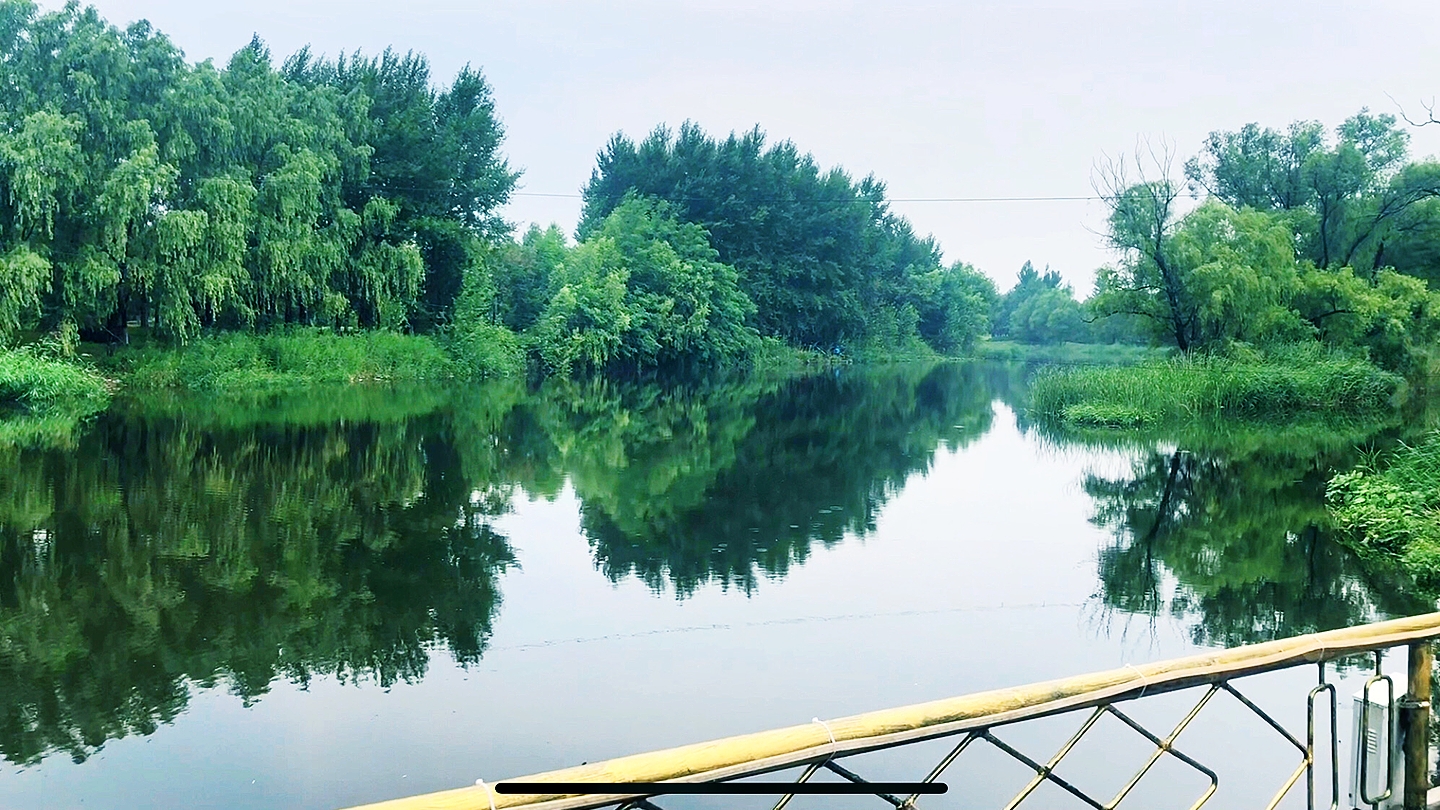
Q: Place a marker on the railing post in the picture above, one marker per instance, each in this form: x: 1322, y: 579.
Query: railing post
x: 1416, y: 726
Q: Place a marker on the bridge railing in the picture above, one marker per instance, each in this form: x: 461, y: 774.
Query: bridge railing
x: 976, y: 720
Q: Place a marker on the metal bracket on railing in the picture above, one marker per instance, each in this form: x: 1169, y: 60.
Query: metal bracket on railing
x: 1334, y: 744
x: 1365, y: 708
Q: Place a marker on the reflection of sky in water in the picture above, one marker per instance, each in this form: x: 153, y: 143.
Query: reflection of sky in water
x: 980, y: 573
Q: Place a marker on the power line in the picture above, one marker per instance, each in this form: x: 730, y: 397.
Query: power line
x: 858, y: 199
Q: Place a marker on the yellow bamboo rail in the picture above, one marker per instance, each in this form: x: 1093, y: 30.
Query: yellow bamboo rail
x: 766, y: 751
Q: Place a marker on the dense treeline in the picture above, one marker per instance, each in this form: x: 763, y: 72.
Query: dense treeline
x: 136, y: 187
x: 820, y: 255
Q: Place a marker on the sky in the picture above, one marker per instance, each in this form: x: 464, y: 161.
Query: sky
x: 937, y: 99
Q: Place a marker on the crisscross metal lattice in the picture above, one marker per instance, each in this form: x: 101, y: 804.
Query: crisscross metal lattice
x: 1163, y: 746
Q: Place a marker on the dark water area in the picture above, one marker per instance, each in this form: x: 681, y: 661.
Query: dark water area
x: 324, y: 598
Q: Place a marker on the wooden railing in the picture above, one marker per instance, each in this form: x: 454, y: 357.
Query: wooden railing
x: 974, y: 718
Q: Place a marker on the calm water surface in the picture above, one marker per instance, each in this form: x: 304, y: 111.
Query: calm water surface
x: 342, y: 596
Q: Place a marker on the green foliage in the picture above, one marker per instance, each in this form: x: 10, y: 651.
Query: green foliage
x: 1219, y: 277
x: 1390, y: 506
x: 44, y: 396
x: 952, y: 307
x: 825, y: 262
x: 1347, y: 200
x: 645, y: 291
x: 1041, y: 309
x: 1190, y: 388
x: 1067, y: 353
x: 284, y: 359
x: 190, y: 198
x: 523, y: 273
x: 24, y: 278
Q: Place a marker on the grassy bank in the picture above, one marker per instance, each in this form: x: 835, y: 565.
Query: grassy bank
x: 283, y: 360
x: 43, y: 398
x: 1185, y: 389
x: 1391, y: 506
x: 1066, y: 353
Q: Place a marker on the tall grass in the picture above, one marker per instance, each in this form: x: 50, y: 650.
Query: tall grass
x: 1066, y: 353
x: 43, y: 399
x: 1188, y: 388
x: 286, y: 359
x: 1391, y: 505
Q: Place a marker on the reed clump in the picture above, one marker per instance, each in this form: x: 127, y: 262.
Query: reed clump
x: 43, y: 398
x: 1184, y: 389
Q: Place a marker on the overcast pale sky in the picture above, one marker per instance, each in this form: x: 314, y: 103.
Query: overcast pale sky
x: 960, y: 99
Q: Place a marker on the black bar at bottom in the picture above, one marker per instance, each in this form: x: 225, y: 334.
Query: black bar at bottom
x: 722, y: 788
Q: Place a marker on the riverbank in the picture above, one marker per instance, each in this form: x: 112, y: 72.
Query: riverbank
x: 44, y: 397
x: 1184, y: 389
x: 1067, y: 353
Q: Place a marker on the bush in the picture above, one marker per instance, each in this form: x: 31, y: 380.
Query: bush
x: 1393, y: 507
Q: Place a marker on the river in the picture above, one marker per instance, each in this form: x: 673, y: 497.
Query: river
x: 331, y: 597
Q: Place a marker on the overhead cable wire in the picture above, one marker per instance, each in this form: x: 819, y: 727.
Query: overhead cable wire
x: 861, y: 199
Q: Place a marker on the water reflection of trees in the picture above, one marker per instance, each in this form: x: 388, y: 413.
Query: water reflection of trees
x: 1236, y: 516
x: 185, y: 542
x: 159, y: 554
x: 732, y: 488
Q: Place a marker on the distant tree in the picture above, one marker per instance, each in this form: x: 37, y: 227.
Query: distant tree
x: 821, y: 256
x: 1347, y: 199
x: 1040, y: 308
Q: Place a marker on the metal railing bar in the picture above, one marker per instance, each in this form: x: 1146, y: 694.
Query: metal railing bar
x: 943, y: 764
x: 1365, y: 709
x: 836, y: 767
x: 1038, y: 768
x: 1264, y: 716
x: 1041, y: 776
x: 1167, y: 745
x: 779, y: 749
x: 804, y: 777
x: 1334, y: 744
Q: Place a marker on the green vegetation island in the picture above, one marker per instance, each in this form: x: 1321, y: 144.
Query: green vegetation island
x: 259, y: 225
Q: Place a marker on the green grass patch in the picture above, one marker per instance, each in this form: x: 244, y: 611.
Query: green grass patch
x: 288, y: 359
x: 1066, y: 353
x: 1391, y: 506
x: 1193, y: 388
x: 1107, y: 414
x: 44, y: 399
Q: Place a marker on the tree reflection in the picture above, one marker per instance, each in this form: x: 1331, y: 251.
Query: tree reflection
x: 1229, y: 532
x: 184, y: 543
x: 160, y: 554
x: 734, y: 487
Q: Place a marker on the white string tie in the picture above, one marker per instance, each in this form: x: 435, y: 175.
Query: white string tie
x: 489, y: 793
x: 829, y: 734
x: 1144, y: 681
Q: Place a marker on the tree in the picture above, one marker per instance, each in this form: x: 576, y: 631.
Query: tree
x: 1347, y: 199
x: 645, y: 291
x: 1146, y: 282
x: 819, y: 253
x: 195, y: 197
